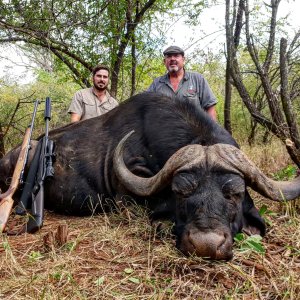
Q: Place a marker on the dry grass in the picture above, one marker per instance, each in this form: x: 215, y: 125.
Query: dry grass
x: 269, y: 158
x: 120, y: 256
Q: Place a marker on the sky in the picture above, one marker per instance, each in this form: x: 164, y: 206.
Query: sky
x: 212, y: 20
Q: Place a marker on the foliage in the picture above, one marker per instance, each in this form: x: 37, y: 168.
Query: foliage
x: 287, y: 173
x: 19, y: 99
x: 80, y: 34
x: 252, y: 243
x: 34, y: 256
x: 266, y: 214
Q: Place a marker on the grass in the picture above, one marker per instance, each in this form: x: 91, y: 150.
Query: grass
x: 121, y: 256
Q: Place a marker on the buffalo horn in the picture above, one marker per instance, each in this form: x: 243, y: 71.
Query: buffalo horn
x: 219, y: 157
x: 233, y: 158
x: 192, y: 154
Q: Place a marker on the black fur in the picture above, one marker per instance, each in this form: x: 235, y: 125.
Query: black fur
x: 85, y: 182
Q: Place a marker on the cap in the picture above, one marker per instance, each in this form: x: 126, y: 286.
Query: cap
x: 173, y: 50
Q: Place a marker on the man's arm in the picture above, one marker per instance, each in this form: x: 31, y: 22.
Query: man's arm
x: 76, y: 107
x: 75, y: 117
x: 211, y: 111
x: 206, y: 97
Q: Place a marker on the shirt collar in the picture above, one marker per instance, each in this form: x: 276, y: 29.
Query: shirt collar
x: 165, y: 78
x: 107, y: 95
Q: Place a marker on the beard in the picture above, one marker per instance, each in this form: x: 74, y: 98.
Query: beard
x: 173, y: 69
x: 100, y: 86
x: 173, y: 66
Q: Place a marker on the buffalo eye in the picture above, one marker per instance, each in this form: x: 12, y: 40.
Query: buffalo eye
x: 184, y: 184
x: 234, y: 195
x: 233, y: 188
x: 234, y: 200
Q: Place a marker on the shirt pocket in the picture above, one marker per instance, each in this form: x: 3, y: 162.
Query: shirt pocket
x: 106, y: 106
x: 191, y: 96
x: 89, y: 110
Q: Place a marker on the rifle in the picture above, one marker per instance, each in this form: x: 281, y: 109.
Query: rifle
x: 45, y: 170
x: 6, y: 200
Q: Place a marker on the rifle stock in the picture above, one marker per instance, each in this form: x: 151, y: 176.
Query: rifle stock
x: 36, y: 216
x: 6, y: 199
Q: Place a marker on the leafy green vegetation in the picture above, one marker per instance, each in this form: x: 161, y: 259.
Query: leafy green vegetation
x: 246, y: 243
x: 287, y: 173
x: 17, y: 102
x: 34, y: 256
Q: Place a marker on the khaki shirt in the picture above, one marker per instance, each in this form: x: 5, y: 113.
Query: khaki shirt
x: 86, y: 104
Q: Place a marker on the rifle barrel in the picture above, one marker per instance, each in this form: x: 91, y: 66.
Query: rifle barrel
x: 37, y: 102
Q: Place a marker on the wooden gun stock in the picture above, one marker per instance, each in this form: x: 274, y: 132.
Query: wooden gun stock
x: 6, y: 199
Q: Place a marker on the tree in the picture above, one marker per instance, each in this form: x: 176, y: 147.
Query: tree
x: 83, y: 33
x: 8, y: 120
x: 273, y: 66
x: 16, y: 106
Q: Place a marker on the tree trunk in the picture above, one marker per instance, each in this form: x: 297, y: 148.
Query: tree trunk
x: 2, y: 148
x: 293, y: 147
x: 133, y: 66
x: 131, y: 25
x: 227, y: 104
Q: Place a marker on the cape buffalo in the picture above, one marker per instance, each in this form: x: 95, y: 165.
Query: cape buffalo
x: 178, y: 162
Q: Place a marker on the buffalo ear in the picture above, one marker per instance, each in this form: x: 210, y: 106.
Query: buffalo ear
x: 184, y: 183
x: 253, y: 223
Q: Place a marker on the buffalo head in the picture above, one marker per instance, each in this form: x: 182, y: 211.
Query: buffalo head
x: 209, y: 186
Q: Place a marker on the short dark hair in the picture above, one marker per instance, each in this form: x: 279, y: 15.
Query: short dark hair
x: 100, y: 67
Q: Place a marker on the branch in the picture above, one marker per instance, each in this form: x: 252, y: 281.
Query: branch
x: 12, y: 118
x: 270, y: 49
x: 45, y: 44
x: 20, y: 101
x: 140, y: 15
x: 124, y: 42
x: 236, y: 76
x: 286, y: 101
x: 292, y: 45
x: 239, y: 23
x: 71, y: 67
x: 39, y: 39
x: 274, y: 107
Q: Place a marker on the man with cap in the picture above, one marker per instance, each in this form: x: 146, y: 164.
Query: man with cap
x: 183, y: 85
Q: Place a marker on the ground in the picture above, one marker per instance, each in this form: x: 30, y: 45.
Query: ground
x: 122, y: 256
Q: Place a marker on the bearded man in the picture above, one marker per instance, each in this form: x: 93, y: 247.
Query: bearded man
x: 183, y: 85
x: 94, y: 101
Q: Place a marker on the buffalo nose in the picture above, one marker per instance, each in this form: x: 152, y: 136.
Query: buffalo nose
x: 224, y: 249
x: 207, y: 244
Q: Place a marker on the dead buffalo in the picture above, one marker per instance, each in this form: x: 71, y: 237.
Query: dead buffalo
x: 178, y: 162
